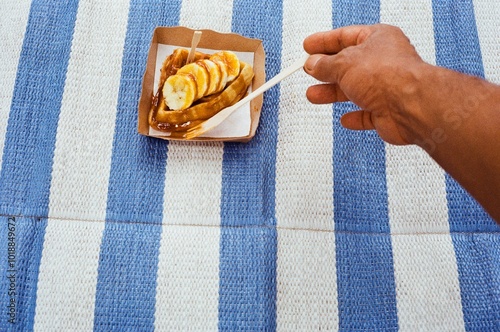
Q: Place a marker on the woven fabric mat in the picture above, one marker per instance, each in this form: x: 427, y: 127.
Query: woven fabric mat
x: 307, y: 227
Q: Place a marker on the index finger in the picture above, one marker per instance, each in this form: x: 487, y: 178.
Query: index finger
x: 334, y: 41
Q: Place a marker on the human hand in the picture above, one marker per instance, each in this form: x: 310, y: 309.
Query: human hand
x: 373, y: 66
x: 451, y: 115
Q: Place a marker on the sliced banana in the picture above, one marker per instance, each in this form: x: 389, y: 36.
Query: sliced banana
x: 179, y: 91
x: 233, y: 92
x: 222, y: 79
x: 231, y: 62
x: 201, y: 77
x: 214, y: 75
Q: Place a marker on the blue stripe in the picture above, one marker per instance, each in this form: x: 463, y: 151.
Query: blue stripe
x: 247, y: 293
x: 128, y: 262
x: 36, y: 103
x: 29, y: 149
x: 18, y: 282
x: 365, y: 273
x: 457, y: 47
x: 247, y: 290
x: 478, y: 258
x: 126, y: 285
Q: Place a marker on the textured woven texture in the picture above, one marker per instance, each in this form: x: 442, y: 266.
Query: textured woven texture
x: 307, y: 227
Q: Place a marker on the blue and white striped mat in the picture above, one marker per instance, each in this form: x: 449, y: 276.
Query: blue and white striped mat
x: 307, y: 227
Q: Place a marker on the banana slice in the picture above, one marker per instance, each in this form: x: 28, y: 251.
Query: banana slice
x: 214, y: 75
x: 179, y: 91
x: 201, y: 77
x: 222, y: 79
x: 230, y: 61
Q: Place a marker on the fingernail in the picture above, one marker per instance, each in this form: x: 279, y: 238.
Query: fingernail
x: 311, y: 62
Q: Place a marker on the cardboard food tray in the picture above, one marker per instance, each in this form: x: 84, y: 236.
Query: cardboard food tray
x: 212, y: 40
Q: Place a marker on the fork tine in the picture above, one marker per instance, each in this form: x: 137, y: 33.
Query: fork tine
x: 194, y: 132
x: 212, y: 122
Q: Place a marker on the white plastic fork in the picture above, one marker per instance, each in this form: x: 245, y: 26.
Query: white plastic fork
x: 223, y: 114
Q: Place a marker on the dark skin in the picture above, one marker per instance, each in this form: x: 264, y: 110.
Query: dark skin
x: 453, y: 116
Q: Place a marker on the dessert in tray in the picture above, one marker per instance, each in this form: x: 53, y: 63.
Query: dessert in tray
x: 190, y: 93
x: 209, y: 84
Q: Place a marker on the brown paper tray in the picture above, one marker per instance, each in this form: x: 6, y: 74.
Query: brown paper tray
x: 181, y: 36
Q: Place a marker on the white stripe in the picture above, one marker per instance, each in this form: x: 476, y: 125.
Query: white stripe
x: 84, y: 141
x: 426, y: 275
x: 12, y: 28
x: 488, y: 28
x: 80, y: 173
x: 194, y: 171
x: 193, y: 184
x: 415, y: 183
x: 188, y: 279
x: 416, y: 191
x: 427, y: 287
x: 197, y: 14
x: 304, y: 160
x: 67, y: 279
x: 306, y: 281
x: 306, y: 273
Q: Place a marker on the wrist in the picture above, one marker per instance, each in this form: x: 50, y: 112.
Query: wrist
x: 413, y: 99
x: 441, y: 102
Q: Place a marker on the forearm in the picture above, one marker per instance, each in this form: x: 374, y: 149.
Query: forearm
x: 458, y: 124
